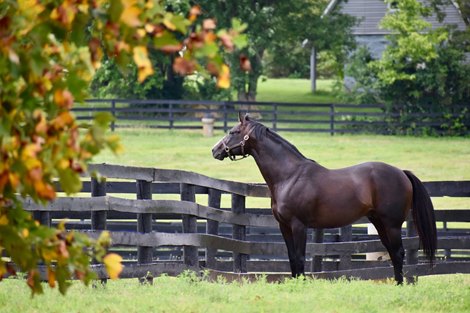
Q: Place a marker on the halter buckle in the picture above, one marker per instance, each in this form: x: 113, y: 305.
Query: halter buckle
x: 241, y: 144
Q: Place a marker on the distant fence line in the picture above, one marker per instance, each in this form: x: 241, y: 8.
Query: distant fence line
x: 303, y: 117
x: 170, y: 236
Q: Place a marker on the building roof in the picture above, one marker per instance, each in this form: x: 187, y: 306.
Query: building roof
x: 370, y: 13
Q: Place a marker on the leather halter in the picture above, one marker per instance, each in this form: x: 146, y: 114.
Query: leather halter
x: 241, y: 144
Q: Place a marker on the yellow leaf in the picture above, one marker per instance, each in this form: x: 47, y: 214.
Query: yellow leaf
x: 112, y: 261
x: 3, y: 220
x: 168, y: 23
x: 61, y: 225
x: 63, y: 98
x: 49, y: 255
x: 14, y: 180
x: 141, y: 32
x: 143, y: 63
x: 223, y: 80
x: 30, y: 9
x: 150, y: 28
x: 63, y: 164
x: 130, y: 14
x: 51, y: 277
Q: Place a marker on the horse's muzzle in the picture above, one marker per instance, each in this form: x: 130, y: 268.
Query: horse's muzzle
x: 219, y: 153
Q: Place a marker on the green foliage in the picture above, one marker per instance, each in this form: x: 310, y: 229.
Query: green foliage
x: 276, y: 30
x: 197, y: 87
x: 364, y: 89
x: 46, y: 63
x: 110, y: 81
x: 304, y: 23
x: 412, y: 42
x: 421, y: 70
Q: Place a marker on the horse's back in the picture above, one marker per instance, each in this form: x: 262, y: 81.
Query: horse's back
x: 326, y: 198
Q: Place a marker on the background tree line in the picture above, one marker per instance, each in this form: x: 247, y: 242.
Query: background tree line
x: 421, y: 70
x: 48, y: 57
x: 275, y: 31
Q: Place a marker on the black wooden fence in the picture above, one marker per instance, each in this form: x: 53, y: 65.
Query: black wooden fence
x: 305, y: 117
x: 220, y: 234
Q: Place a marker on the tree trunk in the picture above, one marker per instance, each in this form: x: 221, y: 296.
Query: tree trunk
x: 248, y: 87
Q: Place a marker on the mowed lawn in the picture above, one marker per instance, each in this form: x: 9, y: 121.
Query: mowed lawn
x: 187, y: 293
x: 295, y: 90
x: 430, y: 158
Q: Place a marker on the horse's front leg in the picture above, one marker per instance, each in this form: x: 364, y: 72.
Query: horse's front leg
x: 289, y: 239
x: 299, y: 233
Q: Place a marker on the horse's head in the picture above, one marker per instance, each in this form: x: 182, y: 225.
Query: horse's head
x: 236, y: 142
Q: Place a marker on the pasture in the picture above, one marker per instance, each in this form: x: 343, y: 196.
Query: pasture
x: 295, y: 90
x: 188, y: 293
x: 429, y: 158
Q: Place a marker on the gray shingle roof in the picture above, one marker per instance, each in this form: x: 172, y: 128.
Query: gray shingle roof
x: 370, y: 12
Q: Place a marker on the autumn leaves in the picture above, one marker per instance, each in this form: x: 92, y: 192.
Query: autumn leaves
x: 49, y: 51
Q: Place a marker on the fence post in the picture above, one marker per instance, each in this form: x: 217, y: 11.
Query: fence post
x: 212, y: 227
x: 43, y: 217
x: 317, y: 259
x: 447, y: 252
x: 170, y: 115
x: 332, y: 119
x: 144, y: 221
x: 345, y: 234
x: 190, y: 253
x: 113, y: 112
x: 225, y: 117
x: 275, y: 117
x: 239, y: 233
x: 98, y: 218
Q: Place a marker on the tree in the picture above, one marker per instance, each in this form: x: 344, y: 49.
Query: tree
x: 113, y: 81
x: 459, y: 37
x: 463, y: 5
x: 273, y: 24
x: 421, y: 70
x: 46, y: 64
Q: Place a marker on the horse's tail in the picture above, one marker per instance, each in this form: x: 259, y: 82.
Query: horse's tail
x: 423, y: 216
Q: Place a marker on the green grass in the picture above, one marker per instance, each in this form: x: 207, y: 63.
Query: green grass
x: 295, y: 90
x: 449, y: 293
x: 431, y: 159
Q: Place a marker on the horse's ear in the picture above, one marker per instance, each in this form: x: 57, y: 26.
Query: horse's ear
x: 240, y: 117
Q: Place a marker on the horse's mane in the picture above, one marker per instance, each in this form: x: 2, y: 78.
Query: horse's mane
x: 262, y: 131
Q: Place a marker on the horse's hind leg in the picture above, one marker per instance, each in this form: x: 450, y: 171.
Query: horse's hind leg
x: 396, y: 251
x: 391, y: 239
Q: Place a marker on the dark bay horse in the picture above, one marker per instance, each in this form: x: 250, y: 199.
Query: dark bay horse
x: 305, y: 194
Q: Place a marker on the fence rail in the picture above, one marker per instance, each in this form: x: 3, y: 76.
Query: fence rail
x: 304, y: 117
x: 169, y: 236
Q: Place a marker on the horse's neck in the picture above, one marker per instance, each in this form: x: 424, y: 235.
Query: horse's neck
x: 276, y: 160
